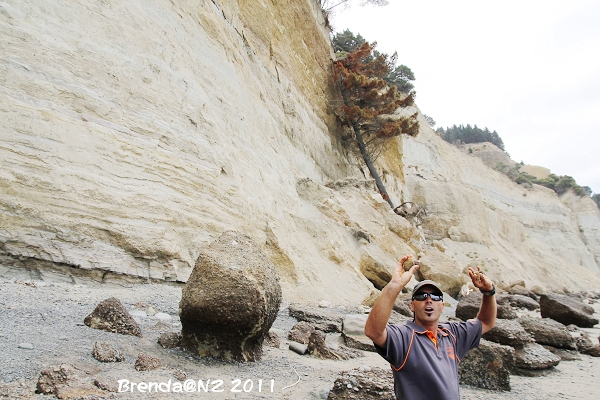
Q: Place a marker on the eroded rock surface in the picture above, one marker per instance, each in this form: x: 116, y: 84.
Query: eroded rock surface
x: 230, y: 301
x: 548, y: 331
x: 532, y: 356
x: 368, y: 384
x: 487, y: 366
x: 112, y: 316
x: 567, y: 310
x: 508, y: 332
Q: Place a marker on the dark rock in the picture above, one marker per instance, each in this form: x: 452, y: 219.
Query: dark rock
x: 376, y: 384
x: 107, y: 384
x: 318, y: 348
x: 505, y: 311
x: 104, y: 352
x: 487, y: 366
x: 170, y: 340
x: 52, y: 377
x: 301, y: 332
x: 508, y: 332
x: 146, y: 362
x: 272, y: 340
x: 180, y: 375
x: 110, y: 315
x: 564, y: 354
x: 522, y: 291
x: 230, y: 300
x: 321, y: 318
x: 65, y: 382
x: 534, y: 356
x: 468, y: 308
x: 585, y: 345
x: 567, y: 310
x: 519, y: 301
x: 548, y: 331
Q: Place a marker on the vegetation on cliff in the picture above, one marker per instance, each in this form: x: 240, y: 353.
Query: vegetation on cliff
x: 470, y: 134
x: 560, y: 184
x: 369, y: 101
x: 400, y: 76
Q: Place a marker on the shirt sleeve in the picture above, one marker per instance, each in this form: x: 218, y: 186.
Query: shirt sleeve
x: 395, y: 346
x: 468, y: 335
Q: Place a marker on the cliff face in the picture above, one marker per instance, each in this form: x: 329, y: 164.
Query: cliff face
x: 133, y: 134
x: 482, y: 216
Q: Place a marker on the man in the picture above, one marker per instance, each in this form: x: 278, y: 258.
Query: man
x: 424, y: 354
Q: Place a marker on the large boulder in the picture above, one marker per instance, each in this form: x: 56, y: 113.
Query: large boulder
x: 442, y: 270
x: 364, y: 384
x: 112, y: 316
x: 567, y: 310
x: 548, y: 331
x: 468, y: 307
x: 487, y: 366
x: 532, y: 356
x: 230, y: 300
x: 519, y: 301
x: 508, y: 332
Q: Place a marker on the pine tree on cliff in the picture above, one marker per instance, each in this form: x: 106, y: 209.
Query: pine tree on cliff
x: 368, y: 104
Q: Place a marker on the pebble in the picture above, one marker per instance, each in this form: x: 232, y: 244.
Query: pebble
x: 138, y: 313
x: 162, y: 316
x: 150, y: 311
x: 27, y: 346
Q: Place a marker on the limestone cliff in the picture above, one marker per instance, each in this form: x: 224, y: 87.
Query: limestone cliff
x: 134, y: 133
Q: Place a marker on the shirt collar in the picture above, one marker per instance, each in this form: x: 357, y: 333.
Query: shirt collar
x: 420, y: 330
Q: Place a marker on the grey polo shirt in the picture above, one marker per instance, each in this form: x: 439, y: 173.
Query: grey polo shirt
x: 422, y: 371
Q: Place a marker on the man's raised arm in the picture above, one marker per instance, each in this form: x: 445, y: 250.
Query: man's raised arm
x: 382, y: 309
x: 488, y: 309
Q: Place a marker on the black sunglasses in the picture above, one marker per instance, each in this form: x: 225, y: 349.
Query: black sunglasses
x: 423, y: 296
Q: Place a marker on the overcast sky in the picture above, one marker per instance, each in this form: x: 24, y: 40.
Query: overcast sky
x: 528, y: 69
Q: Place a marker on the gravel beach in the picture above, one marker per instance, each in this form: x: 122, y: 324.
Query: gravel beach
x: 42, y: 326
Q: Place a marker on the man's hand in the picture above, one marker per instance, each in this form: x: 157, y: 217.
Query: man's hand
x: 400, y: 276
x: 488, y: 310
x: 480, y: 281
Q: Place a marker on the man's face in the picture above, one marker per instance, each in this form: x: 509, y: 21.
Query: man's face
x: 427, y: 311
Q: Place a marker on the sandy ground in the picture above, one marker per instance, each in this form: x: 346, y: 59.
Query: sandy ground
x: 48, y: 315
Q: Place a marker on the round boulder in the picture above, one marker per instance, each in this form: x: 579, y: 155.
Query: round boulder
x: 230, y: 300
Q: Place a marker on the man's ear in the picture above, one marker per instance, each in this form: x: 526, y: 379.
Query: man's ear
x: 412, y: 306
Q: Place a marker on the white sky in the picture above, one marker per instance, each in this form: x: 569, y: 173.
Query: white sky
x: 528, y: 69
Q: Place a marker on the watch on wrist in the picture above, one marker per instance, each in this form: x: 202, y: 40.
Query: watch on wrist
x: 490, y: 292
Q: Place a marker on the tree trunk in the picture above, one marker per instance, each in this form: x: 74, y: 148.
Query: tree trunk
x: 370, y: 165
